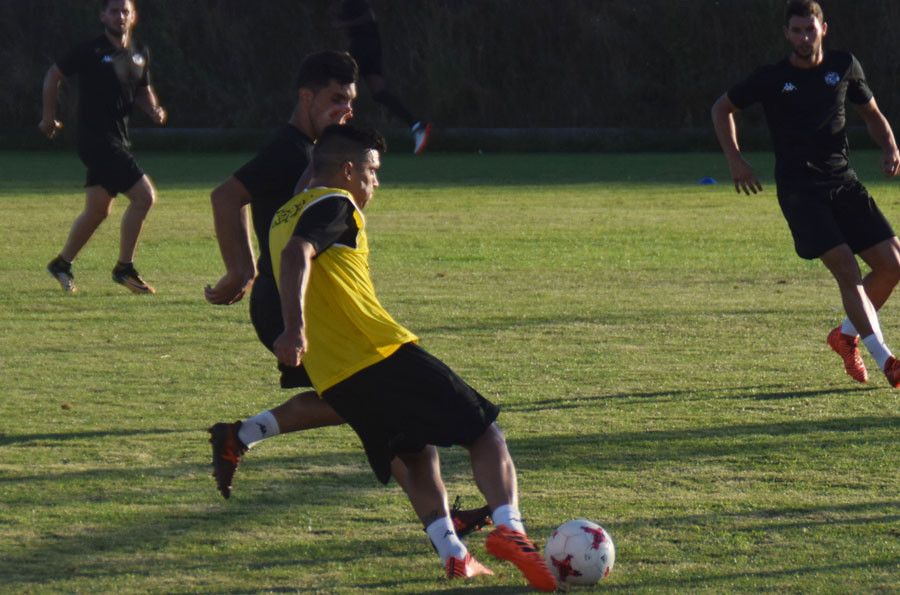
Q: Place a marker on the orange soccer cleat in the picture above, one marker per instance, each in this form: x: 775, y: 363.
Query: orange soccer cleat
x: 515, y: 547
x: 465, y: 568
x: 892, y: 371
x: 848, y: 348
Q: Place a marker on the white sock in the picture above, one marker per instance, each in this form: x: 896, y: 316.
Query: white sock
x: 877, y: 348
x: 508, y: 516
x: 847, y: 328
x: 445, y: 540
x: 258, y: 428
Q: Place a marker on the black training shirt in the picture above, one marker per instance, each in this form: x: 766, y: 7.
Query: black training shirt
x: 328, y: 221
x: 270, y: 178
x: 109, y: 77
x: 805, y: 111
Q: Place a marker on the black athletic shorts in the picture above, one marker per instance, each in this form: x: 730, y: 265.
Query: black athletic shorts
x: 822, y: 218
x: 406, y: 402
x: 265, y: 314
x: 111, y: 166
x: 365, y: 47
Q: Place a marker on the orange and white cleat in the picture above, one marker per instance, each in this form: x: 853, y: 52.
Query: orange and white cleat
x: 892, y: 371
x: 465, y: 568
x: 515, y: 547
x: 848, y: 348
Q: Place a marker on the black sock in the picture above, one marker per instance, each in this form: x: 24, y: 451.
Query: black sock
x: 395, y: 106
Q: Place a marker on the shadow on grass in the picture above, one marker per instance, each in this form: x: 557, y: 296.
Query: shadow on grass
x: 625, y: 449
x: 23, y: 439
x: 711, y: 581
x: 769, y: 393
x: 794, y: 517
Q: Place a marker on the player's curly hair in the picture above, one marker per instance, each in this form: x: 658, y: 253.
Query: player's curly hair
x: 803, y: 8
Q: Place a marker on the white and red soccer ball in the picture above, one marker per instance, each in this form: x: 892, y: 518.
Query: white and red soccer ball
x: 580, y: 552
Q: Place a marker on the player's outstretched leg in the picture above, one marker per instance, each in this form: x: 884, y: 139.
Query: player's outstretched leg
x: 847, y: 347
x: 495, y: 474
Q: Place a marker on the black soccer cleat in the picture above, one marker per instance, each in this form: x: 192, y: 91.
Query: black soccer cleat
x: 469, y: 521
x: 127, y: 275
x: 227, y: 450
x: 61, y: 270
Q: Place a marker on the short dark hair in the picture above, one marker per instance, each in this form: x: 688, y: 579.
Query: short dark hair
x: 803, y: 8
x: 104, y: 4
x: 319, y: 69
x: 341, y: 143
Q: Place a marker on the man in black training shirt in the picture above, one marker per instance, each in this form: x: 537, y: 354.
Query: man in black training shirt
x: 326, y: 89
x: 357, y: 18
x: 830, y: 214
x: 114, y: 75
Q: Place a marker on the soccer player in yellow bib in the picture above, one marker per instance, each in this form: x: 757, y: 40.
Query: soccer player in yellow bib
x: 400, y: 400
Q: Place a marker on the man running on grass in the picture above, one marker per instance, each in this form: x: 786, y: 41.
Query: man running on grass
x: 400, y: 400
x: 114, y: 75
x: 831, y: 215
x: 326, y: 88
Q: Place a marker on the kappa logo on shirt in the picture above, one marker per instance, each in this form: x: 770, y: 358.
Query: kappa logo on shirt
x: 107, y: 59
x: 138, y: 59
x: 789, y: 88
x: 832, y: 79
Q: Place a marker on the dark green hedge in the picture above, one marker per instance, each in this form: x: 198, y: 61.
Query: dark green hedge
x: 463, y: 63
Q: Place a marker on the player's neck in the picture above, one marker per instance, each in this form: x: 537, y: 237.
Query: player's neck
x: 122, y: 41
x: 301, y: 123
x: 813, y: 60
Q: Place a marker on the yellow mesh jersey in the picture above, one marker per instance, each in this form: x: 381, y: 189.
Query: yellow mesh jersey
x: 347, y: 329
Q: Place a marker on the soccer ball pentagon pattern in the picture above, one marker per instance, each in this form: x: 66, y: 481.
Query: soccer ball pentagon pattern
x: 580, y: 552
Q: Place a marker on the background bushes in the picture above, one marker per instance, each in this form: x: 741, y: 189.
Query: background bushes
x: 462, y: 63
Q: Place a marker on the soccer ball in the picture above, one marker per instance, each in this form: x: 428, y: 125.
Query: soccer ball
x: 580, y: 552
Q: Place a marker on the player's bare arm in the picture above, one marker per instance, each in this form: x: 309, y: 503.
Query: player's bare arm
x: 49, y: 125
x: 880, y: 131
x: 296, y: 261
x: 146, y: 100
x: 231, y: 217
x: 726, y: 131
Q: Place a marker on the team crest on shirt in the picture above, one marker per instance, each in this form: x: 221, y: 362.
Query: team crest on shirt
x: 107, y: 59
x: 138, y: 59
x: 832, y: 79
x: 789, y: 88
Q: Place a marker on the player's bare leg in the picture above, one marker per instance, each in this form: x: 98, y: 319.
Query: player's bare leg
x: 426, y: 491
x: 142, y: 197
x: 884, y: 261
x: 97, y: 205
x: 495, y: 475
x: 860, y: 310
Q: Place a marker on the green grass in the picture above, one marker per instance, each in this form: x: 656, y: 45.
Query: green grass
x: 656, y: 347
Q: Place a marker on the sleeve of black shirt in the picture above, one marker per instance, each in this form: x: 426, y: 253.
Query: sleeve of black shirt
x: 858, y: 90
x: 74, y: 60
x: 326, y: 222
x: 747, y: 92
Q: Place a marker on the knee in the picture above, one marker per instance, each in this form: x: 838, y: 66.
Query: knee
x: 144, y: 199
x: 97, y: 213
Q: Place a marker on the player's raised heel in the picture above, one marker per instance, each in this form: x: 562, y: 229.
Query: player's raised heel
x: 848, y: 348
x: 515, y: 547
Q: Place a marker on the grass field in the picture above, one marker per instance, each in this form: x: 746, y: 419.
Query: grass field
x: 657, y: 349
